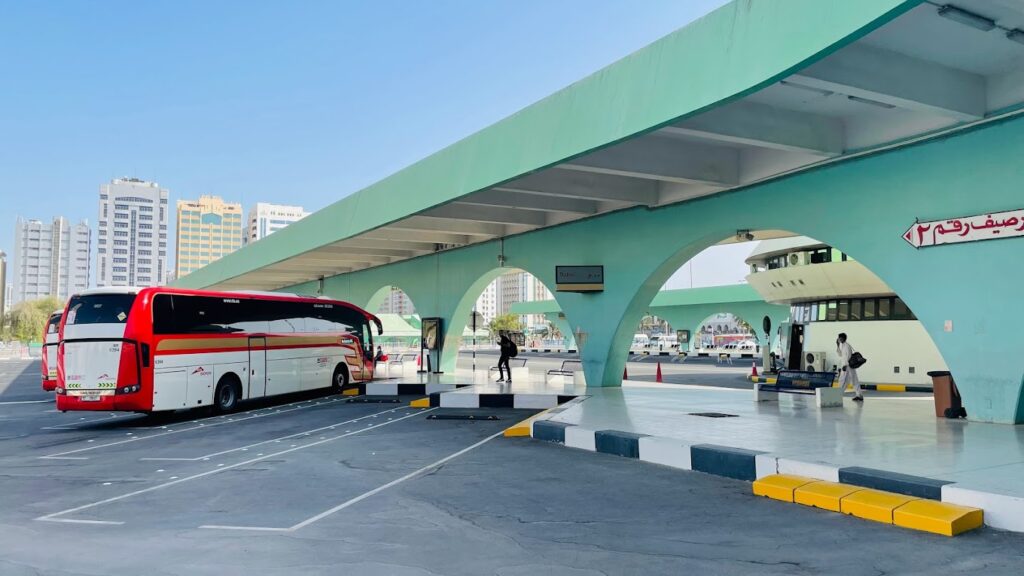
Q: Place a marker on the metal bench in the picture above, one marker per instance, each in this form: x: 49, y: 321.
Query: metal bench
x: 571, y: 372
x: 517, y: 366
x: 817, y: 384
x: 397, y: 366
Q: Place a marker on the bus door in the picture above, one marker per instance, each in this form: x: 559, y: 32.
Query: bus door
x: 257, y: 367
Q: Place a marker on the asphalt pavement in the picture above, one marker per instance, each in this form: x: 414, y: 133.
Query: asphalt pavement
x: 314, y: 484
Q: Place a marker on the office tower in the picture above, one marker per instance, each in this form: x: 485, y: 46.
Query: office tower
x: 207, y: 229
x: 132, y: 235
x: 50, y: 259
x: 265, y: 219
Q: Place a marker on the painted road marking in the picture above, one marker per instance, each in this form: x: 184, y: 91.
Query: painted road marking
x: 201, y: 425
x: 26, y: 402
x: 361, y: 497
x: 54, y: 516
x: 75, y: 425
x: 248, y: 446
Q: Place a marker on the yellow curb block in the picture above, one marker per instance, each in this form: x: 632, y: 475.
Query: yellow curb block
x: 780, y: 486
x: 885, y: 507
x: 824, y: 495
x: 938, y: 517
x: 420, y: 403
x: 523, y: 429
x: 874, y: 505
x: 350, y: 392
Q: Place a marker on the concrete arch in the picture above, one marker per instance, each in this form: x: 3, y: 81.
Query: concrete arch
x: 860, y: 206
x: 460, y: 314
x: 377, y: 298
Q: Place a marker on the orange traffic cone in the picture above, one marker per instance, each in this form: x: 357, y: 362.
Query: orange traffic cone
x: 625, y: 375
x: 753, y: 365
x: 657, y: 377
x: 419, y: 359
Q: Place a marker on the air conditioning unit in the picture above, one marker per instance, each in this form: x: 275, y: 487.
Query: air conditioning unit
x: 814, y: 361
x: 797, y: 258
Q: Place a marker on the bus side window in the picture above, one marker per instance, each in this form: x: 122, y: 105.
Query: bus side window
x: 367, y: 339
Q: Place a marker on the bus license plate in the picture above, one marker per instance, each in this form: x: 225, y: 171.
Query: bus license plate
x: 90, y: 398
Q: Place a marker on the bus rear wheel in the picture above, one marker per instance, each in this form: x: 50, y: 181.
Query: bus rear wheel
x: 225, y: 398
x: 340, y: 378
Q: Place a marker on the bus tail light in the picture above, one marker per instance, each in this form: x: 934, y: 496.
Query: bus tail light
x: 45, y: 361
x: 128, y: 369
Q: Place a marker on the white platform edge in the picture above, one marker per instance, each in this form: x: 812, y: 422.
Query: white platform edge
x: 582, y: 438
x: 765, y: 465
x: 1001, y: 511
x: 459, y: 400
x: 816, y: 470
x: 665, y: 451
x: 534, y: 401
x: 381, y: 389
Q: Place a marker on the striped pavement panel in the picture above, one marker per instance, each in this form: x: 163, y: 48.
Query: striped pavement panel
x: 957, y: 509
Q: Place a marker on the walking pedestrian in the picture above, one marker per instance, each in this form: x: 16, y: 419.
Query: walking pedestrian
x: 506, y: 345
x: 848, y: 374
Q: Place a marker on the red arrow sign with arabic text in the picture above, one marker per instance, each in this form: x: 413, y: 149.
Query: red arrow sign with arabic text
x: 966, y: 229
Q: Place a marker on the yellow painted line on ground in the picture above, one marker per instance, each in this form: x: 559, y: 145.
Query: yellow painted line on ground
x: 780, y: 486
x: 523, y: 429
x: 938, y: 517
x: 350, y: 392
x: 824, y: 495
x: 874, y: 504
x: 420, y: 403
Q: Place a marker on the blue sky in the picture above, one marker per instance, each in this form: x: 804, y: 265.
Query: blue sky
x: 289, y: 102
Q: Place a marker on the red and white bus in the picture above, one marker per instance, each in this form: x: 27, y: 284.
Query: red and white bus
x: 51, y: 337
x: 157, y: 349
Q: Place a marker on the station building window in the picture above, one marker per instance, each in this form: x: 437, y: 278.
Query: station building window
x: 852, y: 310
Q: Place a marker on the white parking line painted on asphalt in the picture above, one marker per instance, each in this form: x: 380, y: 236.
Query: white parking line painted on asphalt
x: 202, y: 425
x: 73, y: 521
x: 83, y: 422
x: 54, y: 516
x: 247, y: 446
x: 359, y: 498
x: 26, y: 402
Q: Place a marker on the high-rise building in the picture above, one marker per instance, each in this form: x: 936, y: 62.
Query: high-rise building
x: 50, y: 259
x: 397, y: 303
x: 265, y: 219
x: 208, y: 229
x: 3, y: 285
x: 487, y: 303
x: 132, y: 242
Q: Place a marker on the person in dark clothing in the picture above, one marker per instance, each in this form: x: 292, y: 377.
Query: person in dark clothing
x: 505, y: 344
x: 379, y: 356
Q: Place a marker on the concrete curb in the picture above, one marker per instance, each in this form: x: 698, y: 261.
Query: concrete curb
x: 1000, y: 511
x: 874, y: 387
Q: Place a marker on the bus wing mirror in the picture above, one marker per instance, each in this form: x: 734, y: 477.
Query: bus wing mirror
x: 380, y: 327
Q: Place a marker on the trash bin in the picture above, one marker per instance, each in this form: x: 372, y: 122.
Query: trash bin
x: 947, y: 397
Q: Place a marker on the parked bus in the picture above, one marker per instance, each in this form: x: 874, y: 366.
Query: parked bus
x: 158, y: 349
x: 51, y: 336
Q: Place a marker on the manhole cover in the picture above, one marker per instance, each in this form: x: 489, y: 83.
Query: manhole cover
x: 713, y: 414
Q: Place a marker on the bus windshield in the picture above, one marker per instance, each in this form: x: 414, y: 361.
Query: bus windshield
x: 99, y: 309
x: 53, y: 324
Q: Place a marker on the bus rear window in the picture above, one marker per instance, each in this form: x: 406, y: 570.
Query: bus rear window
x: 100, y: 309
x: 53, y: 324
